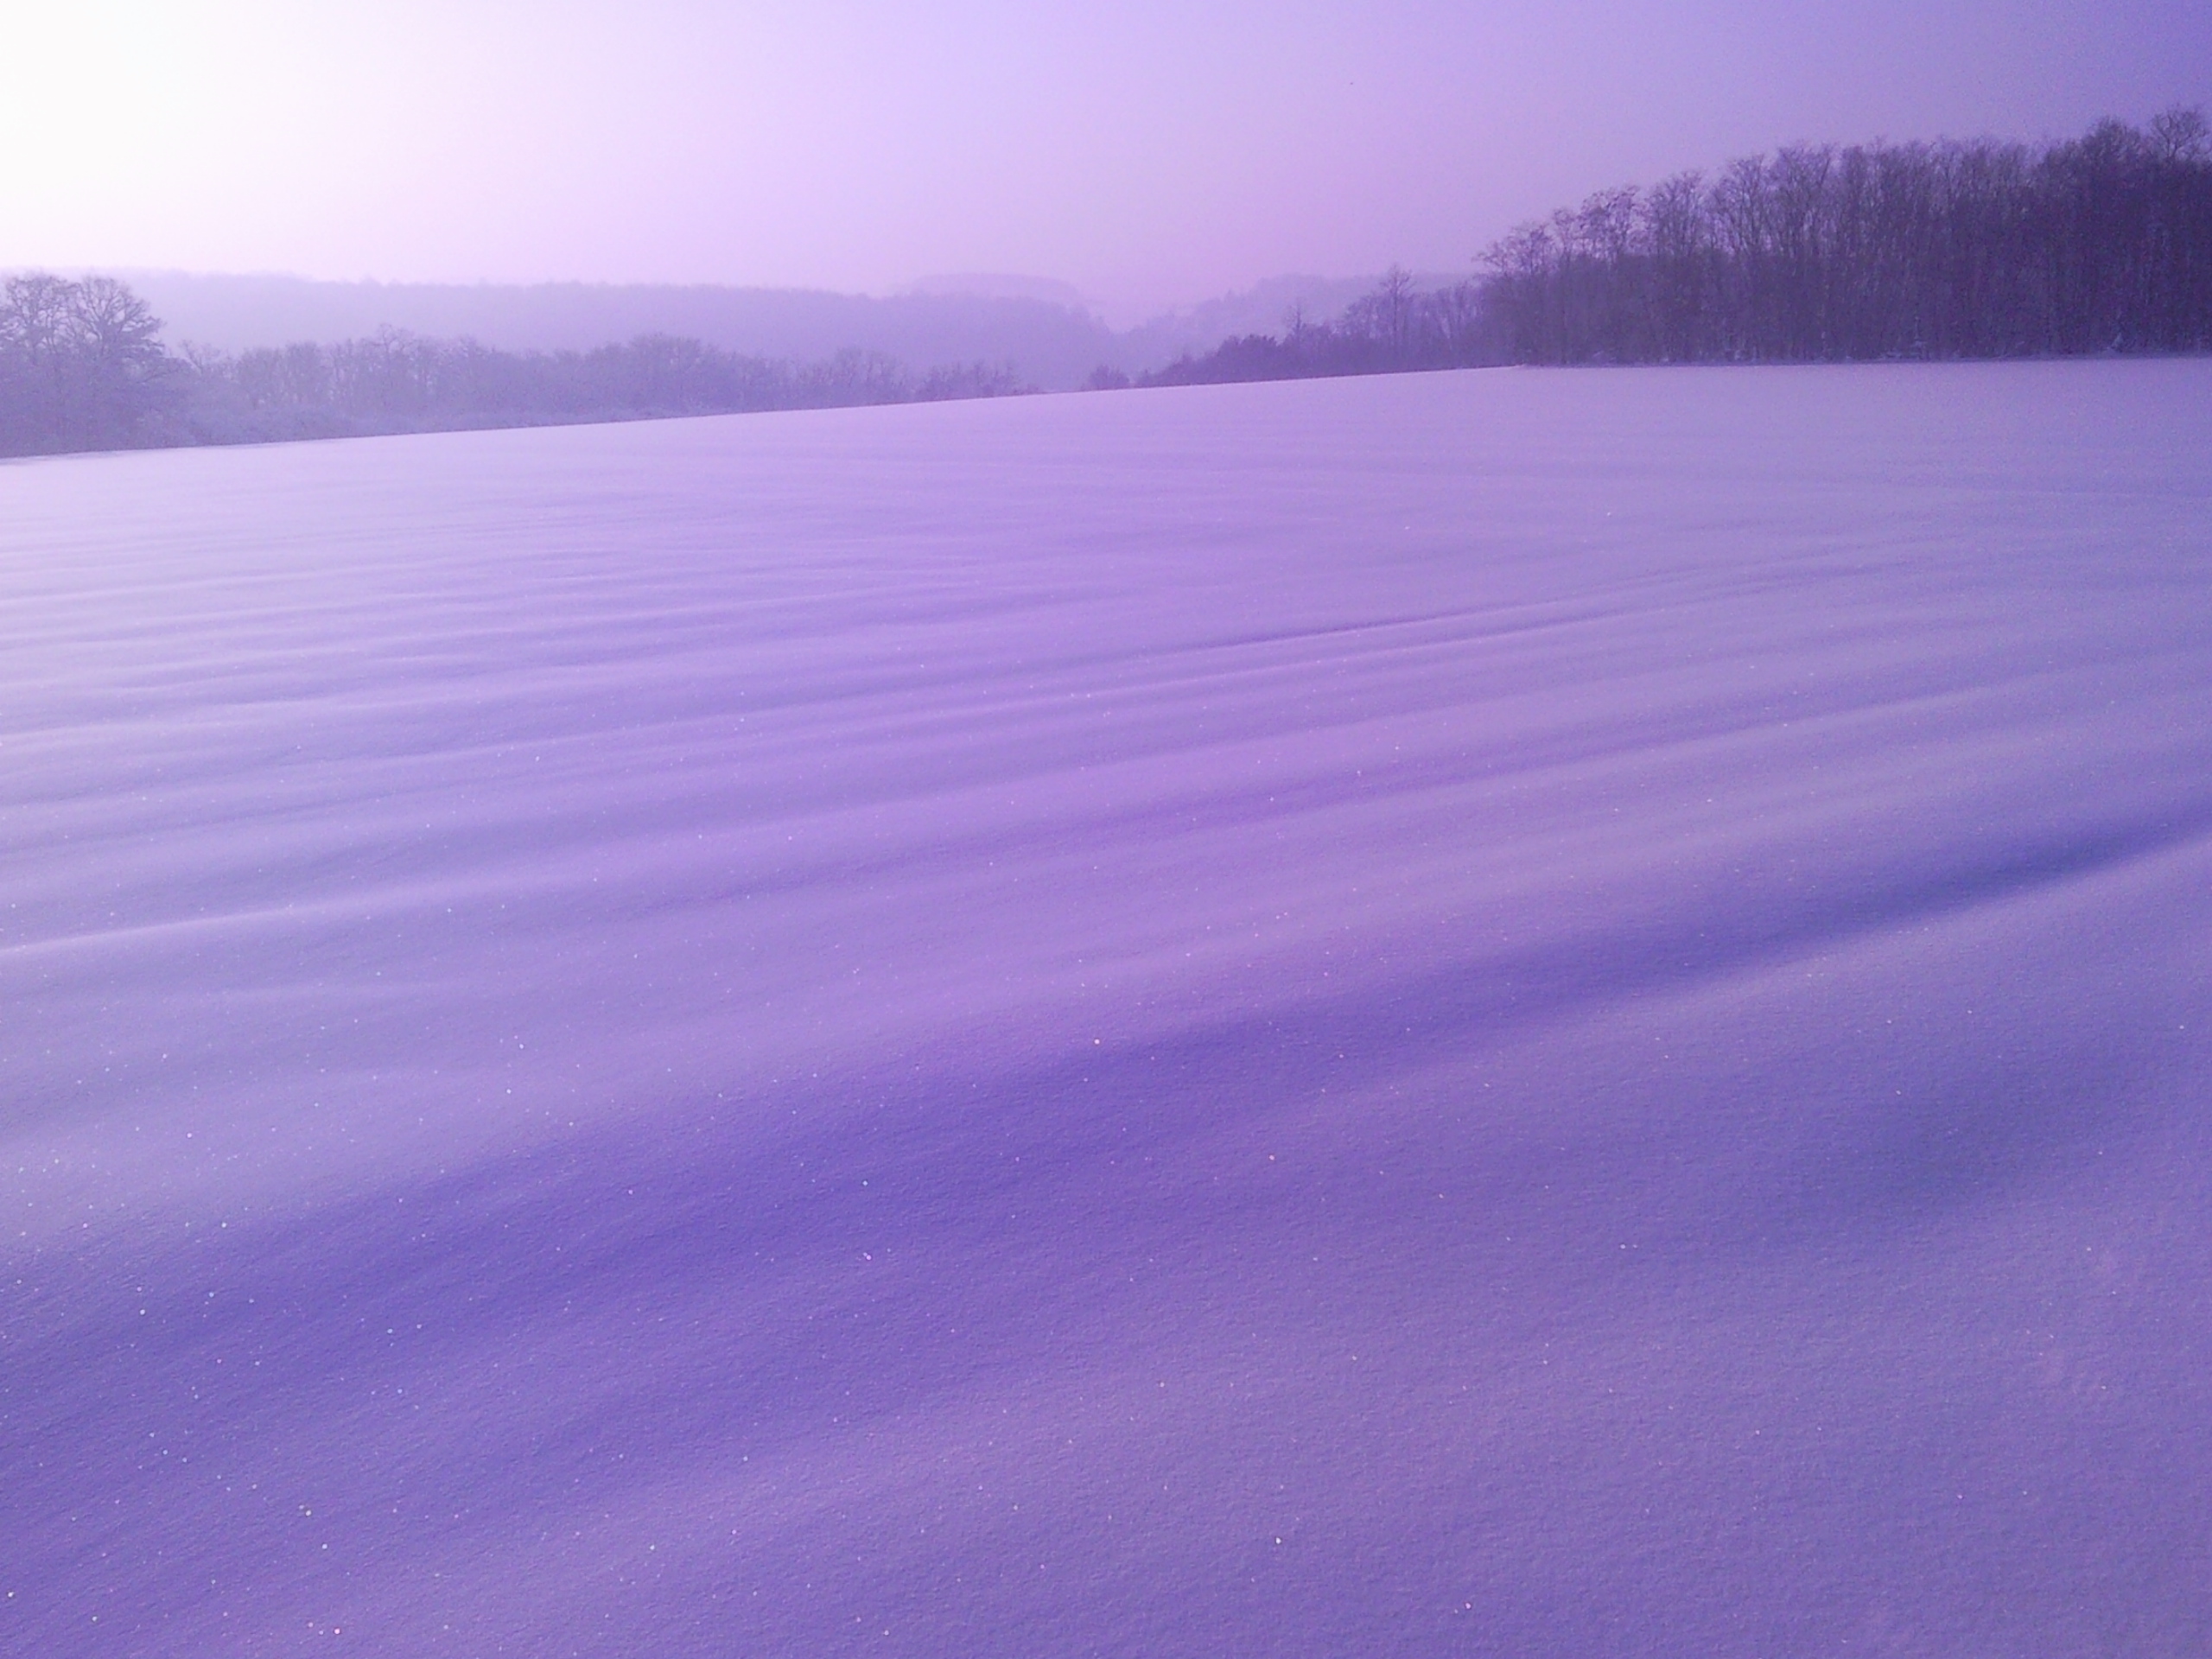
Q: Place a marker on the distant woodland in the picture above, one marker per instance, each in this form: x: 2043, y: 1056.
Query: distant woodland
x: 82, y: 367
x: 1817, y: 253
x: 1814, y: 254
x: 1982, y: 249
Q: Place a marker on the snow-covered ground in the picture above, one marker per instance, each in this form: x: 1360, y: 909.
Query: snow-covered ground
x: 1523, y: 1013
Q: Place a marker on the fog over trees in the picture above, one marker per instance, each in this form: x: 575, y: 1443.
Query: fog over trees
x: 397, y: 382
x: 1053, y: 342
x: 1816, y: 253
x: 1046, y: 331
x: 1395, y: 326
x: 1821, y: 253
x: 81, y: 367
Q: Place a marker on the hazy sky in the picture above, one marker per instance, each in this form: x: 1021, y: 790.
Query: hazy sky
x: 1149, y: 153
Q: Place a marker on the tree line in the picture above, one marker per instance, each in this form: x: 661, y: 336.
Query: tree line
x: 1396, y: 326
x: 82, y: 367
x: 395, y: 382
x: 1815, y: 253
x: 1392, y: 328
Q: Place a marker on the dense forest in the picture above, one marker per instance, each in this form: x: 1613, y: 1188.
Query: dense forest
x: 1814, y: 254
x: 81, y: 367
x: 1982, y: 249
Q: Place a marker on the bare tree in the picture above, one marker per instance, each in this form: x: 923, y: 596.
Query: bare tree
x: 81, y: 365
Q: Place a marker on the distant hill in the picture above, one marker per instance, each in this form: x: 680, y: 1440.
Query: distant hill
x: 1042, y: 328
x: 1260, y: 309
x: 1052, y: 345
x: 998, y: 286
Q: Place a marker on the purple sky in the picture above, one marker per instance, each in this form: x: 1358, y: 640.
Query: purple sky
x: 1148, y: 153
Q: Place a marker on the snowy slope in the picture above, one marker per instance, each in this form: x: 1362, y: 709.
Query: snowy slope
x: 1521, y: 1013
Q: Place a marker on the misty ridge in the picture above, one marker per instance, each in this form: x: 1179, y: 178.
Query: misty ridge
x: 1942, y: 250
x: 82, y: 367
x: 85, y: 363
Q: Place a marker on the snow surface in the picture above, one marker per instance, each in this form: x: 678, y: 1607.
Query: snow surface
x: 1522, y: 1013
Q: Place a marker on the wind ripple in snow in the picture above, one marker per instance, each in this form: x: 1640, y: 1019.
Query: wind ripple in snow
x: 1482, y: 1012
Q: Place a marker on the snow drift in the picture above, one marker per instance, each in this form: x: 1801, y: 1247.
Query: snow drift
x: 1493, y: 1013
